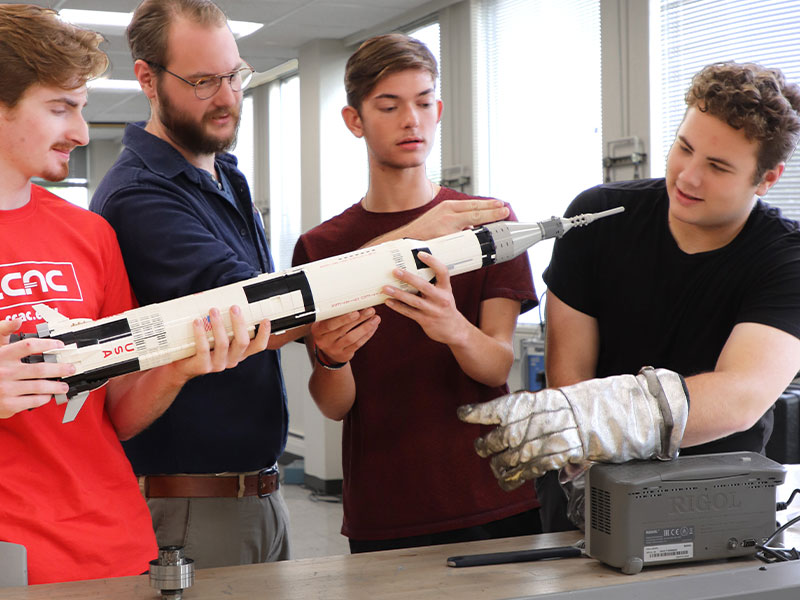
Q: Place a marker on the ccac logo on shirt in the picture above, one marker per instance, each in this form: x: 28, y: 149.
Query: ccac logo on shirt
x: 31, y: 282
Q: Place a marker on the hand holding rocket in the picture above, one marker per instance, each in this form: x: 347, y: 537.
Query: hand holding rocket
x: 339, y: 338
x: 433, y: 306
x: 230, y: 347
x: 23, y: 385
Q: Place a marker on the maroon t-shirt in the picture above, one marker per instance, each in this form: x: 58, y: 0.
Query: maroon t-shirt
x: 409, y: 464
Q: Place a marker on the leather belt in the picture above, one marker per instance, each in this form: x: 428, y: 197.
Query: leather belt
x: 225, y: 485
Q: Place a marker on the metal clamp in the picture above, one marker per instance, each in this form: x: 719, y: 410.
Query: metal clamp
x: 172, y: 572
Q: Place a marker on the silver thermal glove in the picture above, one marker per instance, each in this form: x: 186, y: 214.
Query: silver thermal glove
x: 615, y: 419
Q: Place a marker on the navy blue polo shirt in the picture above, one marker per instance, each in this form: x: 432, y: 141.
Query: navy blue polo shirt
x: 181, y: 234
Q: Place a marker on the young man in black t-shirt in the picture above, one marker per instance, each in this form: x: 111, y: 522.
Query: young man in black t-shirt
x: 697, y: 277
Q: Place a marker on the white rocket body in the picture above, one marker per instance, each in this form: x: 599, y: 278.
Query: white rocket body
x: 159, y: 334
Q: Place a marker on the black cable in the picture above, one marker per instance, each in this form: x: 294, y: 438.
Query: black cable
x: 769, y: 554
x: 785, y: 505
x: 542, y: 300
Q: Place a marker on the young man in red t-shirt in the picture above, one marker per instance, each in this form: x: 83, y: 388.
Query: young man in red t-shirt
x: 396, y: 374
x: 67, y: 491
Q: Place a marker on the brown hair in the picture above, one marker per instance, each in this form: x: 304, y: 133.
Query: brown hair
x: 381, y: 56
x: 38, y: 47
x: 756, y: 100
x: 149, y: 27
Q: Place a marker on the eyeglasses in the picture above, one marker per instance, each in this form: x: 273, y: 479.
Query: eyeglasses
x: 206, y: 87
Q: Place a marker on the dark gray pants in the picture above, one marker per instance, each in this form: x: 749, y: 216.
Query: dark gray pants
x: 221, y: 532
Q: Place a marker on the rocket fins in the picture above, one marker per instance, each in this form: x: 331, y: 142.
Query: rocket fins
x: 74, y: 406
x: 50, y: 315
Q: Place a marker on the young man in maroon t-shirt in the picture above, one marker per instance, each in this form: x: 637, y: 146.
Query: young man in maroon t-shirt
x: 395, y: 374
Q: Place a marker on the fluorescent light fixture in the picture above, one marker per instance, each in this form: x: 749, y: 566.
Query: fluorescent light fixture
x: 242, y: 29
x: 95, y: 17
x: 114, y: 85
x: 104, y: 18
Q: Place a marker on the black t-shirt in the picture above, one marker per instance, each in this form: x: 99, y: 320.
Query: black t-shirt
x: 656, y: 305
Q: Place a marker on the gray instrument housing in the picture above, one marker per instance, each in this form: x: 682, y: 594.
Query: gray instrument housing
x: 693, y: 508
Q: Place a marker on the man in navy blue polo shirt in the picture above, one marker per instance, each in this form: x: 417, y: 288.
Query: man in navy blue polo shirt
x: 186, y: 223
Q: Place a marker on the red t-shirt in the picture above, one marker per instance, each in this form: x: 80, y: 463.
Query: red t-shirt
x: 409, y: 464
x: 67, y: 491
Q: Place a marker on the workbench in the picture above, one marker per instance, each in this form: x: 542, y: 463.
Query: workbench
x: 418, y: 573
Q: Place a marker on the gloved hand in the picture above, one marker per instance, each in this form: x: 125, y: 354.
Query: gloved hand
x: 615, y: 419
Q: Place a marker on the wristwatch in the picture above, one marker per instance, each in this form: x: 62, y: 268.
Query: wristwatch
x: 327, y: 365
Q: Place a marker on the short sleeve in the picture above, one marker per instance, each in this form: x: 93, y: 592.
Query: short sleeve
x: 775, y: 298
x: 300, y: 254
x: 569, y: 275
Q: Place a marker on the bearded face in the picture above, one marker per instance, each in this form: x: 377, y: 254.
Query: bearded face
x: 213, y: 131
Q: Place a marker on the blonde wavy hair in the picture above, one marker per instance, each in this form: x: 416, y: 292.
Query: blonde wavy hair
x: 38, y: 47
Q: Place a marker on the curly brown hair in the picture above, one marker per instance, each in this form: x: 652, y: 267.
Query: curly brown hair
x: 381, y: 56
x: 38, y: 47
x: 149, y: 28
x: 755, y: 99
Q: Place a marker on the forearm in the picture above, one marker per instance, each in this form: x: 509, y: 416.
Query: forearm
x: 754, y: 368
x: 561, y: 369
x: 331, y: 342
x: 560, y: 375
x: 721, y: 404
x: 136, y: 400
x: 482, y: 357
x: 334, y: 392
x: 571, y: 346
x: 406, y: 231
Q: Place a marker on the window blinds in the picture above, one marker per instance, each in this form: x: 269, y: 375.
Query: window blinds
x: 694, y: 33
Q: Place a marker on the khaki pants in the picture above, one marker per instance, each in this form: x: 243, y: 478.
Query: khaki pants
x: 221, y: 532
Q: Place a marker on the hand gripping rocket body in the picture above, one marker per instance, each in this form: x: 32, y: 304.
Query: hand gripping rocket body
x: 159, y: 334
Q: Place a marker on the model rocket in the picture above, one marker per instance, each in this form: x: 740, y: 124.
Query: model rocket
x: 159, y: 334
